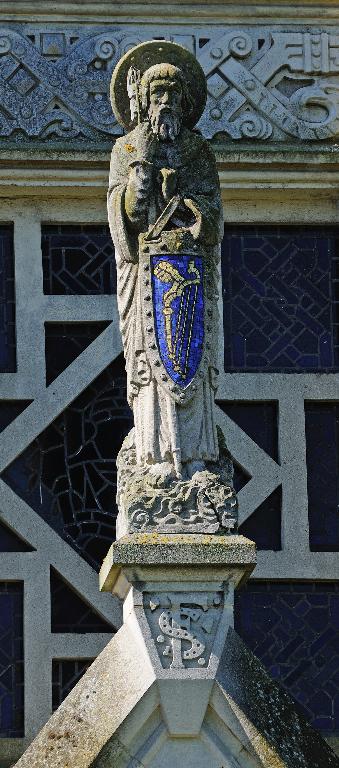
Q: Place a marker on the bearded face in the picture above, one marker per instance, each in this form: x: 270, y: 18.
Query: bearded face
x: 165, y: 110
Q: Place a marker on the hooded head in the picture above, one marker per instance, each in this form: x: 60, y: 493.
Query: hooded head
x: 164, y: 98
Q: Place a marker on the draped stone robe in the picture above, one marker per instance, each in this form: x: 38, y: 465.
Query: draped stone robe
x: 164, y: 429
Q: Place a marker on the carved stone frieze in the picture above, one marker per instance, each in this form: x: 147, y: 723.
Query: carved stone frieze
x: 150, y: 501
x: 184, y: 625
x: 271, y: 84
x: 263, y: 83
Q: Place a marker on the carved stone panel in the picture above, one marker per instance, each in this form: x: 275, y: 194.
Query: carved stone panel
x: 184, y: 626
x: 263, y: 83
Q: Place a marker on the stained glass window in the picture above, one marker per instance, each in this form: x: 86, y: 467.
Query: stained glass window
x: 66, y: 673
x: 260, y: 421
x: 68, y: 474
x: 322, y: 456
x: 281, y: 298
x: 264, y: 524
x: 78, y: 259
x: 281, y: 313
x: 240, y: 477
x: 294, y: 630
x: 64, y: 342
x: 11, y: 660
x: 7, y: 301
x: 69, y: 612
x: 11, y: 542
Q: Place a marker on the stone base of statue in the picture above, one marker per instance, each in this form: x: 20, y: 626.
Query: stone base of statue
x: 154, y: 499
x: 176, y: 686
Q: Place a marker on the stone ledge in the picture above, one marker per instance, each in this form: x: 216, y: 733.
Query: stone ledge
x: 178, y: 550
x: 132, y: 11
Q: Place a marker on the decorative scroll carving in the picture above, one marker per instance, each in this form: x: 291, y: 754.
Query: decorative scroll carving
x: 187, y: 622
x: 262, y: 83
x: 205, y: 503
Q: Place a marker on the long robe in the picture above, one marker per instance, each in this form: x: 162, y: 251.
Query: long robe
x: 164, y: 428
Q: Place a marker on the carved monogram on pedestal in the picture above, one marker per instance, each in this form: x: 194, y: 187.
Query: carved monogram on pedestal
x: 184, y: 626
x: 262, y: 83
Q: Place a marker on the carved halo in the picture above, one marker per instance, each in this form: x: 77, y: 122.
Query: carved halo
x: 146, y: 55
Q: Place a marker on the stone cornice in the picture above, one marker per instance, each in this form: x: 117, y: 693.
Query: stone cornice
x: 241, y: 171
x: 194, y: 12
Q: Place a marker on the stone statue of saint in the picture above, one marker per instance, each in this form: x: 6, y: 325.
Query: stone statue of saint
x: 166, y: 221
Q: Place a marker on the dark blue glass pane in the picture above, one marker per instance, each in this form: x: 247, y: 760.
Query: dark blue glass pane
x: 7, y: 301
x: 264, y: 525
x: 68, y: 474
x: 10, y: 409
x: 69, y: 612
x: 66, y: 673
x: 78, y: 259
x: 65, y: 341
x: 11, y: 660
x: 240, y: 477
x: 281, y: 310
x: 322, y: 456
x: 293, y: 628
x: 11, y: 542
x: 258, y: 420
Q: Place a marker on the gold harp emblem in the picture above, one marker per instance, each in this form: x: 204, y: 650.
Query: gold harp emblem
x: 187, y: 289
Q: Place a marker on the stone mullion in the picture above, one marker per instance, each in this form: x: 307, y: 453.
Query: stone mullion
x: 30, y: 339
x: 52, y: 401
x: 17, y: 566
x: 58, y: 553
x: 297, y: 566
x: 66, y: 309
x: 271, y: 386
x: 37, y: 661
x: 69, y: 645
x: 292, y: 452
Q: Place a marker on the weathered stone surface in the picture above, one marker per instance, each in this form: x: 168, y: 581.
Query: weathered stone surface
x: 180, y: 553
x: 182, y: 549
x: 176, y: 686
x: 279, y: 735
x: 165, y: 215
x: 203, y: 503
x: 264, y: 83
x: 95, y: 708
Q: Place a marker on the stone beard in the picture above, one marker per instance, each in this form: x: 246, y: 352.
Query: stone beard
x: 155, y: 162
x: 165, y: 123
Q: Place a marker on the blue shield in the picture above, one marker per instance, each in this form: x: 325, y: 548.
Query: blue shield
x: 178, y: 303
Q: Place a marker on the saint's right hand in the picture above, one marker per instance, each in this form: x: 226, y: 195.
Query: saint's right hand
x: 138, y: 189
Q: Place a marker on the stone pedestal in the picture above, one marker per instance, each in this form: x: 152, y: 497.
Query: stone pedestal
x: 178, y: 593
x: 176, y: 686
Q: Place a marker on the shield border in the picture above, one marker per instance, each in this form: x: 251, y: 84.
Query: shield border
x: 178, y: 393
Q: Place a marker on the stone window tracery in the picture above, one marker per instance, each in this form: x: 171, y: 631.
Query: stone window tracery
x: 65, y: 474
